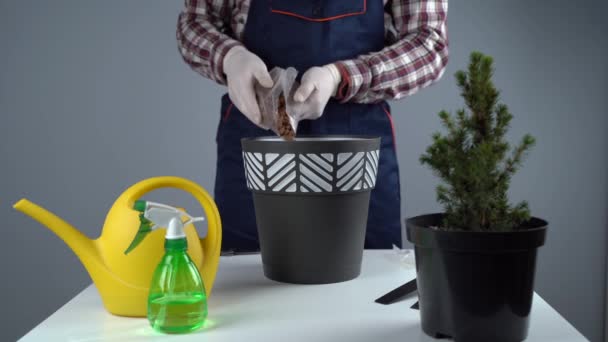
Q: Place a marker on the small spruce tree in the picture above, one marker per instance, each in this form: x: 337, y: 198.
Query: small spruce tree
x: 473, y: 159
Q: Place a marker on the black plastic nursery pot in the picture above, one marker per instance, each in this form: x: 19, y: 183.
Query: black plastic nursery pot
x: 311, y: 198
x: 475, y: 286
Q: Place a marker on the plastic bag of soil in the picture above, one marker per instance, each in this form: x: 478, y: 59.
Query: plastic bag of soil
x: 277, y: 103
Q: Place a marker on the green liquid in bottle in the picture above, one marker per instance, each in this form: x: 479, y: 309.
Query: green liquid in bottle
x: 177, y: 302
x: 178, y: 314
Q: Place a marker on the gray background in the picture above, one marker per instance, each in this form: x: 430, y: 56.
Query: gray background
x: 94, y: 97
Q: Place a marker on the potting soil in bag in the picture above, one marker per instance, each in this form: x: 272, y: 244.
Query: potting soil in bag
x: 277, y: 103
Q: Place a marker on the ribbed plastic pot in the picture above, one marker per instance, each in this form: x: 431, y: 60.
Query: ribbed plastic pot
x: 475, y: 286
x: 311, y: 198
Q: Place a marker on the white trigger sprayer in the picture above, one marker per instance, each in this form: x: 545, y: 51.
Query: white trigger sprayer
x: 157, y: 215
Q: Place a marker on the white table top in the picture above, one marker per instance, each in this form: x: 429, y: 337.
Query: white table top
x: 245, y: 306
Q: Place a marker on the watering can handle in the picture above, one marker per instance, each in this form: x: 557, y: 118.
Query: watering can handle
x: 211, y: 244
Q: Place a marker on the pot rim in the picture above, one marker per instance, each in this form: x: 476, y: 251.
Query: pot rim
x: 421, y: 235
x: 542, y: 224
x: 317, y: 138
x: 312, y: 144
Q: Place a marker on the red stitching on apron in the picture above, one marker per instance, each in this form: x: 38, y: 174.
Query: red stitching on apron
x: 322, y: 19
x: 390, y: 119
x: 228, y: 110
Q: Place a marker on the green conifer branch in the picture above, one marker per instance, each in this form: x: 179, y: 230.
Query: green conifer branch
x: 471, y: 157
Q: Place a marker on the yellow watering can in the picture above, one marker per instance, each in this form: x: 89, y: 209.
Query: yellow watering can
x: 123, y: 280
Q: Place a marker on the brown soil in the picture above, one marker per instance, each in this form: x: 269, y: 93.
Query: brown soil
x: 284, y: 126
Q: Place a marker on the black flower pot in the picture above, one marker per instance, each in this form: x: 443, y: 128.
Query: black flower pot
x: 311, y: 198
x: 475, y: 286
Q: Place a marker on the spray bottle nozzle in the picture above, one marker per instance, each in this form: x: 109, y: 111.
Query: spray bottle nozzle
x: 140, y: 206
x: 145, y: 227
x: 156, y: 215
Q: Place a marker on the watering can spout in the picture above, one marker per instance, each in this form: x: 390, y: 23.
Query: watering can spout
x: 80, y: 244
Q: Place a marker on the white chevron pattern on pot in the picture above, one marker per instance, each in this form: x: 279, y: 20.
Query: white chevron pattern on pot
x: 315, y: 173
x: 371, y: 169
x: 350, y: 170
x: 254, y: 170
x: 311, y: 172
x: 281, y: 172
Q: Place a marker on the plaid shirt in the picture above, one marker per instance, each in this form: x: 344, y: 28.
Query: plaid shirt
x: 415, y: 55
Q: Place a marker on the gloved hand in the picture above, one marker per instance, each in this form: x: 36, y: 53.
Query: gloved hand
x: 318, y: 85
x: 243, y: 69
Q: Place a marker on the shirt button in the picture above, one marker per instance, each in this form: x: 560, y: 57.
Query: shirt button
x: 316, y: 11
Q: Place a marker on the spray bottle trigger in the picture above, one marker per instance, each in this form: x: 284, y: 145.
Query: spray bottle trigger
x: 202, y: 233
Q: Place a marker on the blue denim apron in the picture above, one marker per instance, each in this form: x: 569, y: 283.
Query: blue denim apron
x: 302, y: 34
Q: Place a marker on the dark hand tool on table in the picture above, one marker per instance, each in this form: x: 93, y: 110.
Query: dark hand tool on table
x: 399, y: 293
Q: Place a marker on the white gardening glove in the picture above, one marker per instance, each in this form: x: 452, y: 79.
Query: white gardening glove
x: 318, y: 85
x: 243, y: 69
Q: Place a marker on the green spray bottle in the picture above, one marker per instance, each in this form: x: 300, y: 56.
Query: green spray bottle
x: 177, y: 302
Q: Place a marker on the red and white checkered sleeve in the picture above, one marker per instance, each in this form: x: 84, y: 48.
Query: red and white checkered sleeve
x: 202, y: 36
x: 417, y: 59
